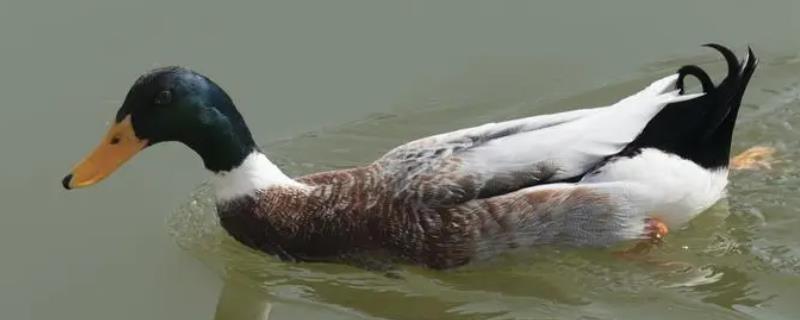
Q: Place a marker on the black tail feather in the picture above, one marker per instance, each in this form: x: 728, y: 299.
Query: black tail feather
x: 726, y: 121
x: 730, y: 57
x: 700, y: 129
x: 700, y: 74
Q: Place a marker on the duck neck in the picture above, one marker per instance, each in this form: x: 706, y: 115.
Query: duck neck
x: 255, y: 173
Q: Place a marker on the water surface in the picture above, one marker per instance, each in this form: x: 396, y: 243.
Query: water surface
x: 334, y: 84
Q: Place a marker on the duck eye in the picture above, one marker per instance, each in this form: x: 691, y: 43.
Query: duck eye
x: 163, y: 97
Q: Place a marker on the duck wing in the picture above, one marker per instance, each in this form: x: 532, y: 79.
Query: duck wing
x: 498, y: 158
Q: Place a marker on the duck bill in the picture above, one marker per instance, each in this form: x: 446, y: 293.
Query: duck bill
x: 117, y: 147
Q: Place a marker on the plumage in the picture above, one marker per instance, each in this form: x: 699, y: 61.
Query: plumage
x: 590, y: 177
x: 497, y: 158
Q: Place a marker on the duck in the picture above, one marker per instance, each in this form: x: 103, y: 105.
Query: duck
x: 592, y: 177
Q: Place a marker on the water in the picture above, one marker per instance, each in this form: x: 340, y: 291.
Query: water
x: 335, y: 84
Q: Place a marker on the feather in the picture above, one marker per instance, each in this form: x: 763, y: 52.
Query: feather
x: 493, y: 159
x: 589, y: 177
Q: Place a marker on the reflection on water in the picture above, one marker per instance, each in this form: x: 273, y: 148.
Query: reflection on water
x: 239, y: 300
x: 725, y: 264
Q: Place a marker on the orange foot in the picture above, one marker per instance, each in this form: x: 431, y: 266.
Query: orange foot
x: 654, y: 231
x: 758, y: 157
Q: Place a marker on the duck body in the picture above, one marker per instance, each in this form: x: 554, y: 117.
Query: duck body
x: 591, y: 177
x: 352, y: 214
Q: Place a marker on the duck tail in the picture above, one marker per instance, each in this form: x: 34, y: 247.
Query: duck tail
x: 700, y: 129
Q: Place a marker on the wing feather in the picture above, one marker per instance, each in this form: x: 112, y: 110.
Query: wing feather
x: 497, y: 158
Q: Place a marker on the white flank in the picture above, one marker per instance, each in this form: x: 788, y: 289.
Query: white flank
x: 667, y: 186
x: 254, y: 174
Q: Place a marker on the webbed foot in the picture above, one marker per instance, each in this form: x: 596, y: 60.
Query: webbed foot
x: 754, y: 158
x: 654, y: 232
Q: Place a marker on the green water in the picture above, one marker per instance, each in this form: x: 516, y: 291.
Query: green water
x: 330, y: 84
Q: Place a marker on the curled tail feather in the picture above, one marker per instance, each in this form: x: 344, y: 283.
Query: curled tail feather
x: 700, y: 129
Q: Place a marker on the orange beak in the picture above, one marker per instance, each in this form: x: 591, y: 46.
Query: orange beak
x: 117, y: 147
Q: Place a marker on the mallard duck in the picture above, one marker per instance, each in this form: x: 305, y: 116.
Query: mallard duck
x: 591, y: 177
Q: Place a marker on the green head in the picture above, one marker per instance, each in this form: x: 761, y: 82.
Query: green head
x: 170, y: 104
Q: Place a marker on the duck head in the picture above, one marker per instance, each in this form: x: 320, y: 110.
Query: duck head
x: 169, y: 104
